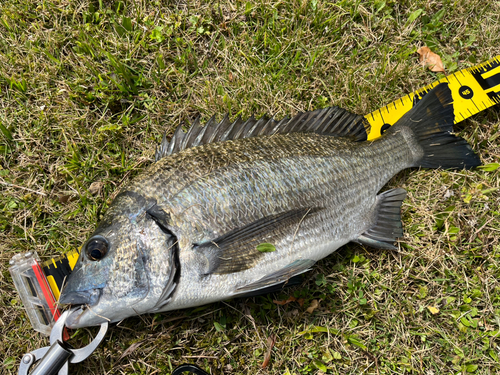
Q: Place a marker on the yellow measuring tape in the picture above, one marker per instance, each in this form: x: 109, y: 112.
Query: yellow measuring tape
x: 473, y: 90
x: 57, y: 269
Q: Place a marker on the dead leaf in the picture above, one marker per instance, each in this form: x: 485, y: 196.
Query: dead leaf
x: 284, y: 302
x: 433, y: 310
x: 314, y: 305
x: 271, y: 340
x: 95, y: 187
x: 430, y: 60
x: 300, y: 301
x: 64, y: 198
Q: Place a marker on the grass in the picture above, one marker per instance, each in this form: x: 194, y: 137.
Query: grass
x: 87, y: 90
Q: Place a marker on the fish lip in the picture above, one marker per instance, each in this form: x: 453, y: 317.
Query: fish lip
x: 74, y: 316
x: 81, y: 297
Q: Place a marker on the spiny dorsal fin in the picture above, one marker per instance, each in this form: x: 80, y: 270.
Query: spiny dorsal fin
x: 332, y: 121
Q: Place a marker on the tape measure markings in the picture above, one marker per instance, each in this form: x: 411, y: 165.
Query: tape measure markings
x: 53, y: 286
x: 473, y: 90
x: 57, y: 269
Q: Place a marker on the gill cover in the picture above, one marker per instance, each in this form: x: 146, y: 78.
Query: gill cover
x: 127, y: 267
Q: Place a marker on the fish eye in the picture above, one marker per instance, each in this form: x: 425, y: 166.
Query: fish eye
x: 97, y: 248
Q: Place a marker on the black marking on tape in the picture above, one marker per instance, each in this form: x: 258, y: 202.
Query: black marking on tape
x: 59, y: 271
x: 490, y: 82
x: 454, y: 75
x: 475, y: 104
x: 495, y: 96
x: 384, y: 128
x: 466, y: 92
x: 382, y: 117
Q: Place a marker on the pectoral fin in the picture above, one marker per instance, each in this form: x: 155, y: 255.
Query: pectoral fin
x: 387, y: 227
x: 237, y: 250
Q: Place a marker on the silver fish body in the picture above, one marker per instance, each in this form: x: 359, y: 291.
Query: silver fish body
x: 187, y: 231
x: 337, y: 205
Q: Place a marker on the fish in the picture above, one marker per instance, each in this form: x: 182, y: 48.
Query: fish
x: 237, y: 208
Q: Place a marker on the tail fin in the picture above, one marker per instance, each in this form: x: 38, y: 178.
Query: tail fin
x: 431, y: 121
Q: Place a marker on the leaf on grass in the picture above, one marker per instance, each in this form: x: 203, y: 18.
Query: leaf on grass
x: 430, y: 59
x: 353, y: 340
x: 319, y: 365
x: 314, y: 306
x: 433, y: 310
x: 316, y: 329
x: 288, y: 300
x: 489, y: 167
x: 9, y: 363
x: 471, y: 368
x: 415, y: 15
x: 6, y: 132
x: 95, y: 187
x: 271, y: 340
x: 336, y: 355
x: 422, y: 293
x: 219, y: 327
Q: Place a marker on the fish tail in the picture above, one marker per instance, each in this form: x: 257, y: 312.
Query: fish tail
x: 431, y: 122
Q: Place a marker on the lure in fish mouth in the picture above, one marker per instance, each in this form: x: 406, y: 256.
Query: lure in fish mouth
x: 188, y: 230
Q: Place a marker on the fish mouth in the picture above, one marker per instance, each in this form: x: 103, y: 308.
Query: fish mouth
x: 79, y: 303
x: 82, y: 297
x: 73, y: 318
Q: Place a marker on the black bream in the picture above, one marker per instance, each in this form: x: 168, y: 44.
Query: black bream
x: 187, y: 231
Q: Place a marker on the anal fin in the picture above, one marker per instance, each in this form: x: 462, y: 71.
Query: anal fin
x: 294, y: 281
x: 387, y: 226
x: 281, y: 276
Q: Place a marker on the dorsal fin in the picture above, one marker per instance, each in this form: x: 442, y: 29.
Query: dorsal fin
x: 332, y: 121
